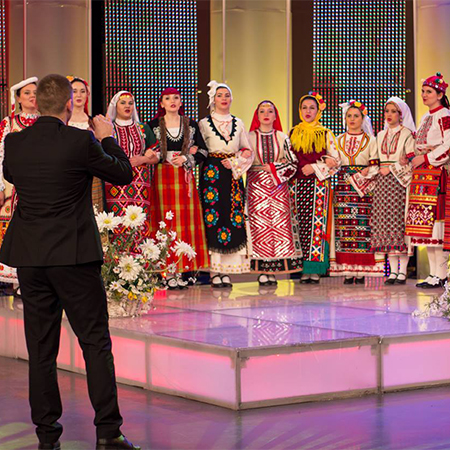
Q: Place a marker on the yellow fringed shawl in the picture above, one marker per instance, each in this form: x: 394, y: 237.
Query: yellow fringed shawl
x: 308, y: 136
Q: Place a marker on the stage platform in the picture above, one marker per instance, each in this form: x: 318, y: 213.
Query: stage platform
x: 250, y: 346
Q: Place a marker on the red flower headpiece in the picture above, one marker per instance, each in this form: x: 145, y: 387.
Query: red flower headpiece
x: 318, y: 98
x: 437, y: 82
x: 360, y: 106
x: 256, y: 123
x: 161, y: 111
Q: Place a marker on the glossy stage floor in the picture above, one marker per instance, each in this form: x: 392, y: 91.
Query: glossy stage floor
x: 251, y: 346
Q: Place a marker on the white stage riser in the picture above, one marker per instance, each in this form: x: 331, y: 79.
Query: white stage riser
x: 243, y: 379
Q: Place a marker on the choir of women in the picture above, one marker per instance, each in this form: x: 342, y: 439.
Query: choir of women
x: 270, y: 204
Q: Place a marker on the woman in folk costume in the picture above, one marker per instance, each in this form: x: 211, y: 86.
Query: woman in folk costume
x: 134, y: 138
x: 222, y: 188
x: 26, y: 97
x: 426, y: 210
x: 350, y: 253
x: 180, y: 149
x: 390, y: 192
x: 274, y: 233
x: 318, y: 159
x: 81, y: 119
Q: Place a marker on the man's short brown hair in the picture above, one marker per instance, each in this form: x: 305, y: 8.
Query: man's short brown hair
x: 53, y: 92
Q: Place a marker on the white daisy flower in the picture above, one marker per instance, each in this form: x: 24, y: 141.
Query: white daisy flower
x: 107, y: 221
x: 134, y: 216
x: 115, y: 286
x: 169, y: 215
x: 150, y: 250
x: 161, y: 237
x: 162, y: 224
x: 173, y: 235
x: 172, y: 268
x: 181, y: 248
x: 129, y: 268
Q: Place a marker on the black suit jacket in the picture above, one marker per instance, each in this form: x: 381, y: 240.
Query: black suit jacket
x: 51, y: 166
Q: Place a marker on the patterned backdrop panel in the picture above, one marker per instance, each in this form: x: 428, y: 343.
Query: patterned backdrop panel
x: 151, y: 45
x: 359, y: 52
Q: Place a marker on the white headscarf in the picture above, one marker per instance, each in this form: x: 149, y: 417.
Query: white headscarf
x: 112, y: 108
x: 366, y: 123
x: 406, y: 116
x: 16, y: 87
x: 214, y: 85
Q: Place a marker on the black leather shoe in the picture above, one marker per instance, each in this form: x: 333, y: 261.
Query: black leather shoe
x: 55, y: 446
x: 216, y: 285
x: 264, y: 283
x: 348, y: 280
x: 401, y: 281
x: 391, y: 280
x: 226, y: 282
x: 360, y: 280
x: 422, y: 284
x: 305, y: 280
x: 120, y: 443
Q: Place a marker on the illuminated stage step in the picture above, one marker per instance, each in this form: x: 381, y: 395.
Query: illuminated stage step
x: 253, y: 347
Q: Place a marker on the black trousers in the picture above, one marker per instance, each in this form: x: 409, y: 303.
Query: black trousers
x: 79, y: 290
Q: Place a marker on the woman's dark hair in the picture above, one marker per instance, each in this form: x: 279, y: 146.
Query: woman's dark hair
x: 310, y: 97
x: 444, y: 100
x: 20, y: 90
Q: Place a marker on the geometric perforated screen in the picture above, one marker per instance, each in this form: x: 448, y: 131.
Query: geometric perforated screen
x: 151, y: 45
x: 359, y: 52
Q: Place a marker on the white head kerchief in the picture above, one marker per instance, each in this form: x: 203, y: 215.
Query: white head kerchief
x: 18, y: 86
x: 407, y: 119
x: 366, y: 123
x: 214, y: 85
x: 112, y: 108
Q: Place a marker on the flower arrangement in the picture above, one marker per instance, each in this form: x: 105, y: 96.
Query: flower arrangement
x: 135, y: 267
x: 438, y: 306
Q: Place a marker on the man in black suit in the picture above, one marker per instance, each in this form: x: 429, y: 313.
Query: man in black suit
x: 54, y: 242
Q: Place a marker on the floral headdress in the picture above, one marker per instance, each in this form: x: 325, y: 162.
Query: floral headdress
x: 367, y: 123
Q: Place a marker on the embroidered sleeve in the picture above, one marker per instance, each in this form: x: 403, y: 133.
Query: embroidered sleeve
x: 244, y: 158
x: 363, y: 184
x: 284, y: 170
x: 321, y: 168
x: 440, y: 155
x: 403, y: 174
x: 5, y: 128
x: 202, y: 150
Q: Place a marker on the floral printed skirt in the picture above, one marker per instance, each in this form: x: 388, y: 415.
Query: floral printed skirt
x: 223, y: 207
